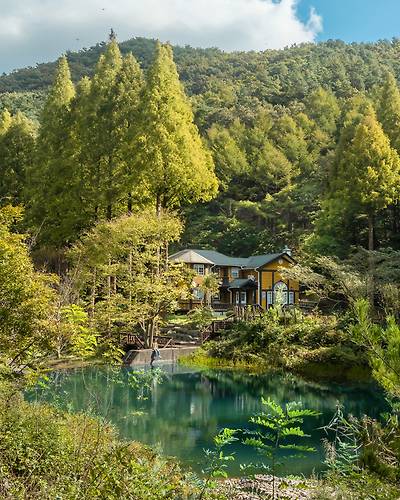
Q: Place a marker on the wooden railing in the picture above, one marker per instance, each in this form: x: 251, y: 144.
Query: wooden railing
x: 132, y: 339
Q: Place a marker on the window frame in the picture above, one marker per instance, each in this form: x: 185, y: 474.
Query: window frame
x: 197, y: 267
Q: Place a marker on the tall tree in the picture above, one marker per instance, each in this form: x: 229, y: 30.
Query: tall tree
x: 50, y: 175
x: 323, y: 108
x: 388, y: 110
x: 99, y: 132
x: 5, y: 121
x: 17, y: 147
x: 172, y: 164
x: 126, y: 98
x: 368, y: 171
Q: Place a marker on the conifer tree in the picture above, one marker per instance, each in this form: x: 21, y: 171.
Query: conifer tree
x: 99, y: 131
x: 388, y: 110
x: 51, y: 175
x: 368, y: 171
x: 323, y: 108
x: 126, y: 98
x: 171, y: 162
x: 17, y: 146
x: 5, y: 121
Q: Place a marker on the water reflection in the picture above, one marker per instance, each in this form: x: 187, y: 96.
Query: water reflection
x: 183, y: 413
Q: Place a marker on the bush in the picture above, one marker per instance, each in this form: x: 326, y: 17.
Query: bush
x: 47, y: 454
x: 290, y: 342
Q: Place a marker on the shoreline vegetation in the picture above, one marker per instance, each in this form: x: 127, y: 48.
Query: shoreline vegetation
x: 313, y: 346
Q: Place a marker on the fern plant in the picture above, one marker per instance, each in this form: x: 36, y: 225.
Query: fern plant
x: 276, y: 425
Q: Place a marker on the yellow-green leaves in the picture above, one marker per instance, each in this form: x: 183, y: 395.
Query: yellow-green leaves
x: 170, y: 159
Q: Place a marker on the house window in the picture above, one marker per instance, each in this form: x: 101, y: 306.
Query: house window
x: 199, y: 269
x: 235, y: 272
x: 198, y: 294
x: 281, y: 293
x: 243, y: 298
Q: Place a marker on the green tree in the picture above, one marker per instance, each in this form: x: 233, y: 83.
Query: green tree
x: 368, y: 171
x: 172, y: 164
x: 5, y: 121
x: 229, y: 158
x: 98, y: 134
x: 323, y: 108
x: 17, y: 148
x: 388, y: 110
x: 51, y: 176
x: 26, y: 299
x: 125, y: 278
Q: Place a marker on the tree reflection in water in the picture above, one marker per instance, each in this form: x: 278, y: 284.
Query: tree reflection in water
x: 183, y: 412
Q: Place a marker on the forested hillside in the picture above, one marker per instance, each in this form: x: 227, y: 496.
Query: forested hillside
x: 304, y: 142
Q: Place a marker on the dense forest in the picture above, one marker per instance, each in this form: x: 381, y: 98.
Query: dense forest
x: 114, y: 156
x: 297, y: 136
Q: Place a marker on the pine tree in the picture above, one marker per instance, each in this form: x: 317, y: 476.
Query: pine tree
x: 388, y: 110
x: 172, y: 164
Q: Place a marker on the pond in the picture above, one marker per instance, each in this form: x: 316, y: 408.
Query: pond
x: 181, y: 414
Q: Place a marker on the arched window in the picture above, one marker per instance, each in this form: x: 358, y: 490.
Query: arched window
x: 281, y: 295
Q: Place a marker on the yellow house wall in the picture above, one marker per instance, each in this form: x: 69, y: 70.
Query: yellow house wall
x: 269, y: 279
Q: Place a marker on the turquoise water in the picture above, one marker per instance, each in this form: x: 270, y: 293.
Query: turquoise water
x: 181, y: 414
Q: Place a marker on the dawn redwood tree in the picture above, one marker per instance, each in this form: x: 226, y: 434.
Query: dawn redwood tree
x: 172, y: 165
x: 368, y: 172
x: 5, y: 121
x: 98, y: 133
x: 388, y: 110
x: 17, y: 147
x: 50, y: 175
x: 126, y: 97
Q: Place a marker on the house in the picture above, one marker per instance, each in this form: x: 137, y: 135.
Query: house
x: 254, y: 280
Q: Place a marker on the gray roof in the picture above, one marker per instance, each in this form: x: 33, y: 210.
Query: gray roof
x: 243, y: 283
x: 260, y: 260
x: 190, y: 257
x: 220, y: 259
x: 199, y: 256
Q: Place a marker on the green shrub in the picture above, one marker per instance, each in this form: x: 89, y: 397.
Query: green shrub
x: 46, y: 454
x: 296, y: 343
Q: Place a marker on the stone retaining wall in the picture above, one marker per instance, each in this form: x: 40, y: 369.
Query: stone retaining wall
x: 168, y: 355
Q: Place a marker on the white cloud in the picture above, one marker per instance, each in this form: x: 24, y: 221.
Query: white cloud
x: 39, y: 30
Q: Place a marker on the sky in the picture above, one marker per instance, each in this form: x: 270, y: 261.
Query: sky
x: 34, y: 31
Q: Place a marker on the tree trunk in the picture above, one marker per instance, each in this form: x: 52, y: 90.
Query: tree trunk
x: 129, y: 203
x: 370, y: 232
x: 93, y: 297
x: 371, y: 263
x: 109, y: 211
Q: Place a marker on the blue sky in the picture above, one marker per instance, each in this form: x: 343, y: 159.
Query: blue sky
x: 355, y: 20
x: 34, y: 31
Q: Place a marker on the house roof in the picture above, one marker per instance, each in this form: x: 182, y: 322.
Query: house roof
x: 256, y: 261
x: 190, y: 257
x: 199, y: 256
x: 242, y: 283
x: 219, y: 259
